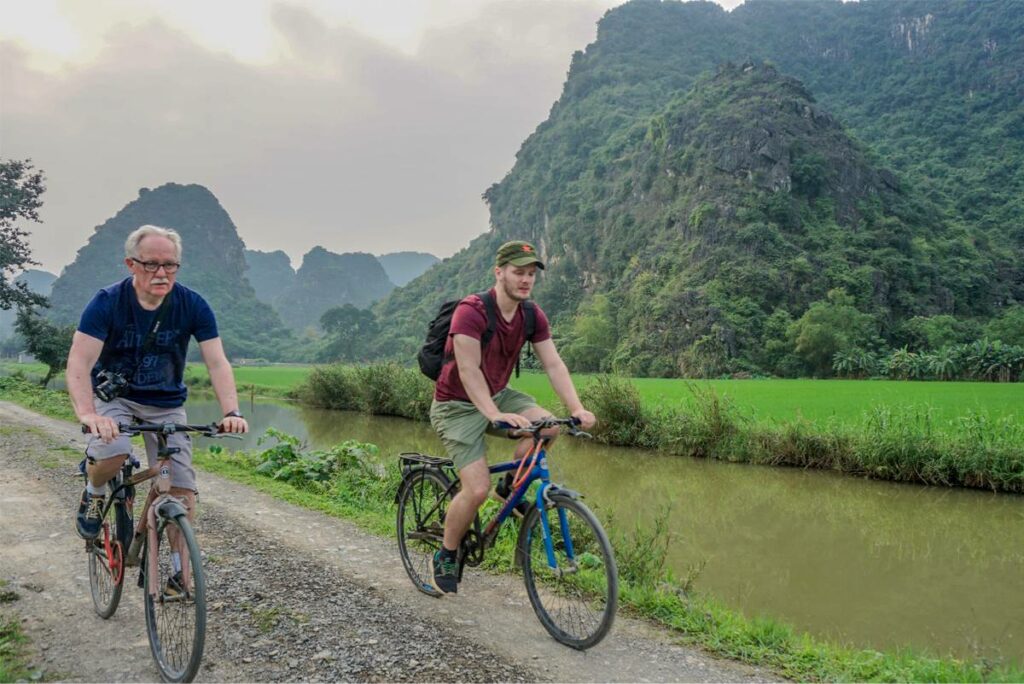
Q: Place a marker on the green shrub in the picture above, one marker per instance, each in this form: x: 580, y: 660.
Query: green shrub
x: 388, y: 389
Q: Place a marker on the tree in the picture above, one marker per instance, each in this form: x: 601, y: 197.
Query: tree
x: 349, y: 333
x: 830, y: 326
x: 593, y: 338
x: 49, y: 343
x: 1009, y: 327
x: 20, y: 190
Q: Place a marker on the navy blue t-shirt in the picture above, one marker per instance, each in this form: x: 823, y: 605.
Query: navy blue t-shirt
x: 115, y: 316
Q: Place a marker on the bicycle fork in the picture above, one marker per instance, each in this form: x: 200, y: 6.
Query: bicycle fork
x: 163, y: 510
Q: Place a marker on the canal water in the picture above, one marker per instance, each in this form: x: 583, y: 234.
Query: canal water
x: 869, y: 564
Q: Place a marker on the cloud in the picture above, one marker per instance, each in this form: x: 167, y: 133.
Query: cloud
x: 344, y: 142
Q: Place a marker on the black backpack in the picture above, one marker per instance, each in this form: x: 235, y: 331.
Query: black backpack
x: 431, y: 356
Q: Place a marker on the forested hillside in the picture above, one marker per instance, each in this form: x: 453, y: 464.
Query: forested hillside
x: 327, y: 280
x: 695, y: 217
x: 213, y: 264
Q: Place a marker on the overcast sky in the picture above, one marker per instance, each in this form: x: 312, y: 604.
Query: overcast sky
x: 359, y: 125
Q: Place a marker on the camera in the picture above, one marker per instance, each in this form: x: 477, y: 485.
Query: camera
x: 111, y: 385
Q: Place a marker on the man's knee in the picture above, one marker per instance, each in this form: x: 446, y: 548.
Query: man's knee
x: 187, y: 497
x: 476, y: 482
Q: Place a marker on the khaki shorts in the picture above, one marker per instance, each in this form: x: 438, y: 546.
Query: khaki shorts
x: 123, y: 411
x: 461, y: 426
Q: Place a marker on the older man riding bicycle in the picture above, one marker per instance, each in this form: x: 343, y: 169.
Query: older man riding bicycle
x: 129, y: 350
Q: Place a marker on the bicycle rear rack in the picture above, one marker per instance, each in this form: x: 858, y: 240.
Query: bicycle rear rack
x: 412, y: 459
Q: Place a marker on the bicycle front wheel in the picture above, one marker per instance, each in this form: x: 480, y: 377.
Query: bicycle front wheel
x: 175, y: 601
x: 576, y: 600
x: 106, y: 565
x: 422, y: 505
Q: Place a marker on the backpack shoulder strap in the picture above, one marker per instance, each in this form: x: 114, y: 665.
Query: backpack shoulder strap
x: 529, y: 319
x: 492, y: 316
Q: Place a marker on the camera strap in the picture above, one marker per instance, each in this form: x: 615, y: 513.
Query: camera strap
x: 154, y: 328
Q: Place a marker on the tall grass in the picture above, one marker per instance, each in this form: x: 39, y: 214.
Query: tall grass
x: 387, y: 389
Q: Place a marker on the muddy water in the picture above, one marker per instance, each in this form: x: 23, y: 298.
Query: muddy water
x: 870, y: 564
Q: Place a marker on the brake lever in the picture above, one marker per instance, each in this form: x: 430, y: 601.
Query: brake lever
x: 580, y: 433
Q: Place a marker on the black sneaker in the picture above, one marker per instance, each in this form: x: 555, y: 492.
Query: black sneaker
x: 175, y: 586
x: 445, y: 574
x: 503, y: 489
x: 90, y: 515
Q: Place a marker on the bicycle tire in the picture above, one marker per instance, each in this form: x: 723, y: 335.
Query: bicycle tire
x: 176, y: 626
x: 577, y: 610
x: 420, y: 534
x: 106, y: 582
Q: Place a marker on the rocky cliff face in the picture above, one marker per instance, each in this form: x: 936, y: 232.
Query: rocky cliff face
x: 213, y: 264
x: 269, y: 273
x: 402, y: 267
x: 327, y: 280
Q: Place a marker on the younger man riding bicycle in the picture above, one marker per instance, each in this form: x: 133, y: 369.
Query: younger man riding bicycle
x: 472, y: 391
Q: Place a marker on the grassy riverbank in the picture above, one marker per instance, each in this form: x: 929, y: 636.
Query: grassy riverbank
x: 346, y: 486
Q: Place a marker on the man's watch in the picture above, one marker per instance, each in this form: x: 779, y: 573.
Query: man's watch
x: 234, y: 414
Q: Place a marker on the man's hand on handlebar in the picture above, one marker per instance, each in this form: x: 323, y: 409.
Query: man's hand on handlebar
x: 233, y: 425
x: 586, y: 419
x: 511, y: 420
x: 105, y: 427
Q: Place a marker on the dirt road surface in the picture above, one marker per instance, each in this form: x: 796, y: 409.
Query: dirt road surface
x: 293, y: 595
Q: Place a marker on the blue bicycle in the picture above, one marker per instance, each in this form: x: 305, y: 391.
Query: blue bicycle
x: 565, y: 555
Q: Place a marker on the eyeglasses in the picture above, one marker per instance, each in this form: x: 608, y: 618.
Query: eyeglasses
x: 154, y: 266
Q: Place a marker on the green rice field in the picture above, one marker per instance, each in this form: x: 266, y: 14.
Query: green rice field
x: 768, y: 400
x: 820, y: 401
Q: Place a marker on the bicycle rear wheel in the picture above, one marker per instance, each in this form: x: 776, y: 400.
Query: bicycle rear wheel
x: 576, y: 602
x: 422, y: 505
x: 106, y: 568
x: 176, y: 615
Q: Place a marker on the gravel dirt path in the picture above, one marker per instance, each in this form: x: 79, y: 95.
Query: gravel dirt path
x: 293, y: 595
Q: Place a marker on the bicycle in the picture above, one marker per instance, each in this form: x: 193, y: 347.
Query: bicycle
x: 164, y: 548
x: 568, y: 567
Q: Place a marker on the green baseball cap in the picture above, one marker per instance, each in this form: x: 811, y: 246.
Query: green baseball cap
x: 517, y: 253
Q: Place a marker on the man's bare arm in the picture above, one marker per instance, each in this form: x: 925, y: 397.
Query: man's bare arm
x: 561, y: 381
x: 223, y: 382
x: 85, y: 351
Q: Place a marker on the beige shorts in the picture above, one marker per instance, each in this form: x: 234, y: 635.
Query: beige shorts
x: 461, y: 426
x: 124, y: 411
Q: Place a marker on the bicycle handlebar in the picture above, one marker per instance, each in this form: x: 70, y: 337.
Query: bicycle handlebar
x: 541, y: 424
x: 211, y: 430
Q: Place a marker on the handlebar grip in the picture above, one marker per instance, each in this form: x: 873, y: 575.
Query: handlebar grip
x: 502, y: 425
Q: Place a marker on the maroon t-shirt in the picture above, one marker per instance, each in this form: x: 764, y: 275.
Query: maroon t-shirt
x: 498, y: 356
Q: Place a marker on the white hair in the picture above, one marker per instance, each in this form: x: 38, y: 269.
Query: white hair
x: 131, y: 245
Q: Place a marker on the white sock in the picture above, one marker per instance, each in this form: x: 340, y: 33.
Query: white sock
x: 176, y: 561
x: 96, y: 491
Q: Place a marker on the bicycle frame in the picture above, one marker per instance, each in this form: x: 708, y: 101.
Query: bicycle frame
x: 538, y: 471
